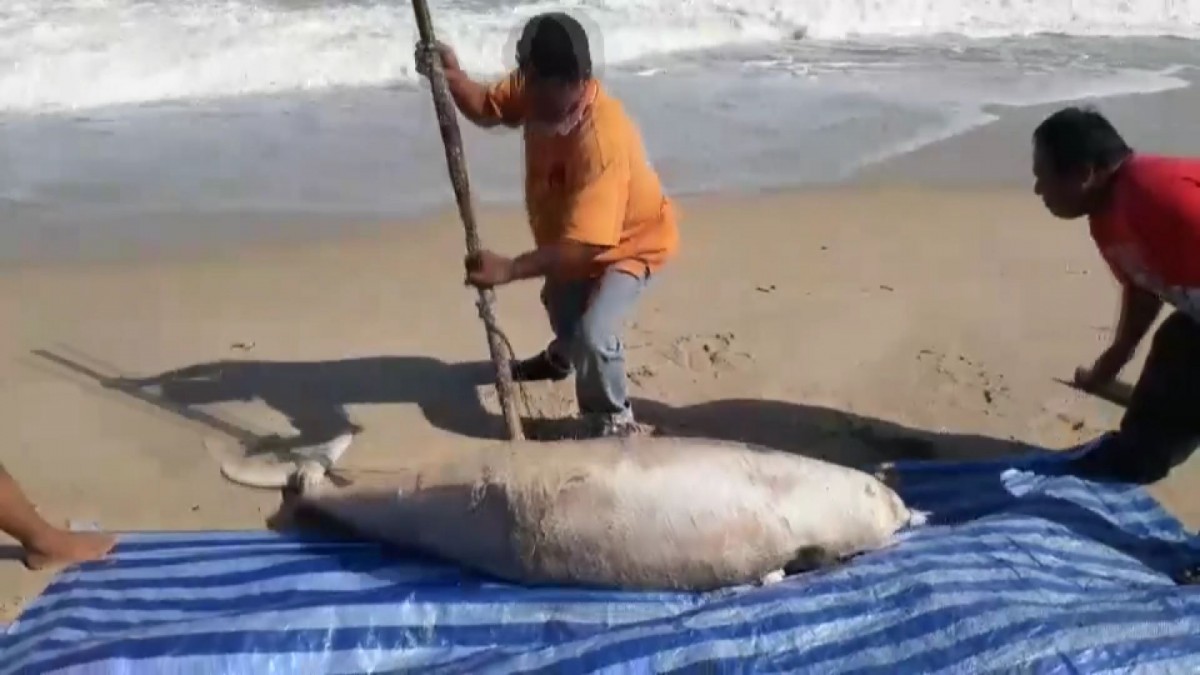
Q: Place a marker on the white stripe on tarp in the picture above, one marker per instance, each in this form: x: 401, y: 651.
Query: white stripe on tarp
x: 1082, y: 638
x: 333, y: 581
x: 344, y: 662
x: 1027, y: 605
x: 191, y: 570
x: 274, y: 547
x: 386, y: 613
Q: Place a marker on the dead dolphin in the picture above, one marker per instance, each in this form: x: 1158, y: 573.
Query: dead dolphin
x: 637, y: 513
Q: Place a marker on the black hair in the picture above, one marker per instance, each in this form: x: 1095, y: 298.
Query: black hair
x: 555, y: 46
x: 1076, y: 138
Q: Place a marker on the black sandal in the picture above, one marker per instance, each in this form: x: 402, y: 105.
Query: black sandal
x: 540, y: 368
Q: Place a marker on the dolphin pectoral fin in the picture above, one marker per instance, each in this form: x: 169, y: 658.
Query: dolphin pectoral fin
x: 887, y: 474
x: 772, y: 577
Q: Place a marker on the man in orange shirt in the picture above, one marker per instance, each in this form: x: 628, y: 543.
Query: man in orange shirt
x: 602, y: 226
x: 1144, y: 214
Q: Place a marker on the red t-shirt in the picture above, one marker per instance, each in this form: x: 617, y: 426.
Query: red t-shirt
x: 1149, y: 234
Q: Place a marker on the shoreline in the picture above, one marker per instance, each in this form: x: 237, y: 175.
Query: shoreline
x: 1158, y: 122
x: 1154, y: 121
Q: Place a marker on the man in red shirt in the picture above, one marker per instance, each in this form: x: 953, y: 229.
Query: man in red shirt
x: 1144, y: 215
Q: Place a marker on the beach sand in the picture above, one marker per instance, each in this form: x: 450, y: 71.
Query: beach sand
x: 857, y: 324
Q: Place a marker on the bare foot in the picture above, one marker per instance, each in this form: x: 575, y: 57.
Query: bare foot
x: 63, y: 548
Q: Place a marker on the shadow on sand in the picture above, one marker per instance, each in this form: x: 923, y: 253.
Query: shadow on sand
x: 314, y: 397
x: 818, y: 432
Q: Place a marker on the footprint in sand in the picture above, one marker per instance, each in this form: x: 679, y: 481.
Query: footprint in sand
x: 1062, y: 422
x: 712, y: 354
x: 641, y: 375
x: 964, y: 382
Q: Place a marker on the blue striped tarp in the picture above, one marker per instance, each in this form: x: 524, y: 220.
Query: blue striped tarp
x: 1019, y: 570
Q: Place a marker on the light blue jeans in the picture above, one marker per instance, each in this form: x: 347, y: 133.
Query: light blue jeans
x: 587, y: 335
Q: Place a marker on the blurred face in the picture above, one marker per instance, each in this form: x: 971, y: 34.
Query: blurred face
x: 1066, y: 194
x: 551, y: 100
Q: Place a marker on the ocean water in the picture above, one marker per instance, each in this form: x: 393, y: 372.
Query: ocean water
x: 132, y: 115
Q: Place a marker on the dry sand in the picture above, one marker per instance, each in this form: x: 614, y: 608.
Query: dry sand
x: 858, y: 324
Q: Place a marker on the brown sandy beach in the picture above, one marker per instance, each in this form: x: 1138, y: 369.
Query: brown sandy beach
x: 858, y: 324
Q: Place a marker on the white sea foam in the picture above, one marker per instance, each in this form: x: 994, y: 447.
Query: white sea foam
x: 72, y: 54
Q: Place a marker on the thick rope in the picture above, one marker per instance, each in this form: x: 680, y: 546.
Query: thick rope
x: 511, y: 354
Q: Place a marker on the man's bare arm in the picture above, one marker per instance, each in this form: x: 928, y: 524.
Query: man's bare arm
x: 550, y: 261
x: 1139, y: 309
x: 470, y: 97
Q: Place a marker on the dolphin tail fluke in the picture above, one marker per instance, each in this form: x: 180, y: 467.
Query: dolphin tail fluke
x: 306, y: 463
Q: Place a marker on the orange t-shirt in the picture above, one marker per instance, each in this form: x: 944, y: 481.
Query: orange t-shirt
x: 1149, y: 233
x: 593, y: 185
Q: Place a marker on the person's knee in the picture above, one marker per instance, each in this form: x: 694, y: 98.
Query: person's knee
x: 1143, y: 455
x: 546, y: 297
x: 1178, y: 333
x: 1180, y: 451
x: 595, y: 340
x: 597, y: 336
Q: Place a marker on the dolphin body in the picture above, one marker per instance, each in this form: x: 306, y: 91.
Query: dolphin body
x: 636, y: 513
